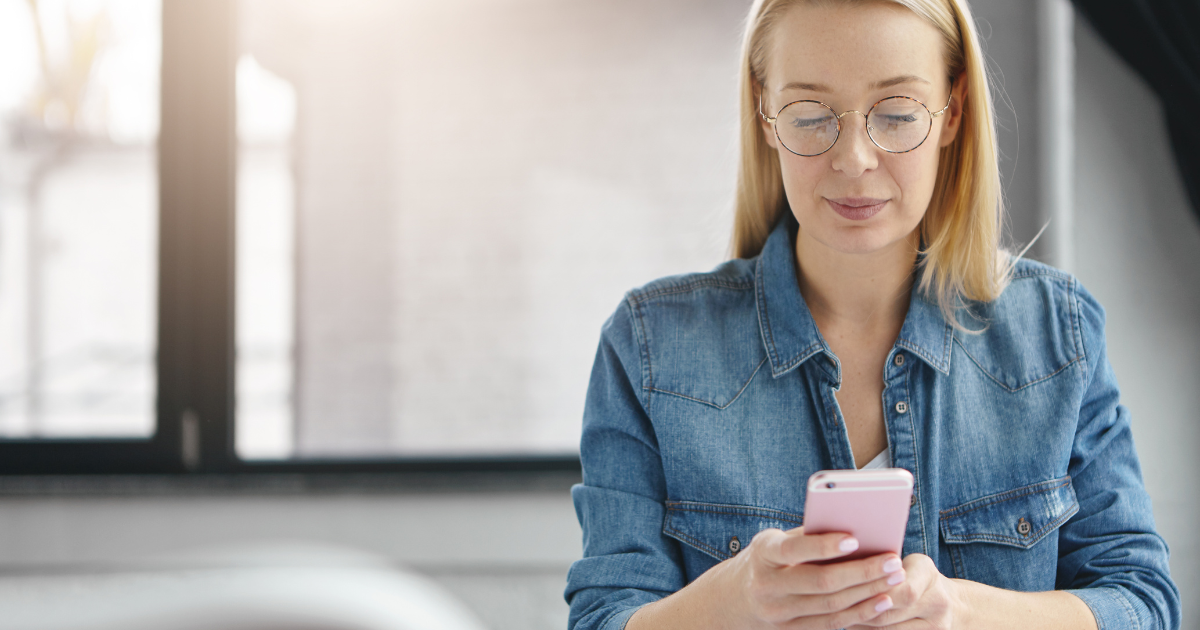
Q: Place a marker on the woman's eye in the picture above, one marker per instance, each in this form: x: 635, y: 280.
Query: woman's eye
x: 897, y: 120
x: 809, y: 123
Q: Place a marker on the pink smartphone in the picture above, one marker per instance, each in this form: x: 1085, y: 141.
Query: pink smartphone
x: 871, y: 505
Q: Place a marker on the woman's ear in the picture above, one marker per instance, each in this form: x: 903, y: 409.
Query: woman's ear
x: 768, y: 129
x: 958, y: 95
x: 769, y: 134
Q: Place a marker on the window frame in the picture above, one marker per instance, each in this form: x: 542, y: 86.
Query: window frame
x: 195, y: 359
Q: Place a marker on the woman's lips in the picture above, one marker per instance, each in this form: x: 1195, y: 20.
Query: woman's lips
x: 857, y: 208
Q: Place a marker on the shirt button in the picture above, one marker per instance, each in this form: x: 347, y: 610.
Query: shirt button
x: 901, y: 407
x: 735, y: 545
x: 899, y: 360
x: 912, y: 500
x: 1023, y: 526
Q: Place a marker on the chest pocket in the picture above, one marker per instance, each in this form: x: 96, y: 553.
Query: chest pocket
x: 1010, y: 539
x: 712, y: 532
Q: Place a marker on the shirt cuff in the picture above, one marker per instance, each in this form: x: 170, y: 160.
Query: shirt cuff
x: 1109, y: 606
x: 620, y: 619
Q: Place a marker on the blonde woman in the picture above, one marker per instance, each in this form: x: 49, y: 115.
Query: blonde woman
x: 870, y: 319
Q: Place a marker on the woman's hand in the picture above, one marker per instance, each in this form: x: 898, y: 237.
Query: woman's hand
x: 926, y: 600
x: 779, y: 588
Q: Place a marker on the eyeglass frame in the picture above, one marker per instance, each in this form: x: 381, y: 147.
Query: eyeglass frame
x: 866, y: 124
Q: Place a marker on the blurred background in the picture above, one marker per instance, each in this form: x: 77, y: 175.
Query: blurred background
x: 424, y: 212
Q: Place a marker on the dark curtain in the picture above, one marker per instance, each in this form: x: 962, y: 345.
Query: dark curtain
x: 1161, y: 40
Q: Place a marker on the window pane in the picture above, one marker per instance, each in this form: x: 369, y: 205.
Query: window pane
x: 265, y: 252
x: 462, y: 196
x: 78, y: 227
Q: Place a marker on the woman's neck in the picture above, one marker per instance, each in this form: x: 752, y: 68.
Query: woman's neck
x: 859, y: 291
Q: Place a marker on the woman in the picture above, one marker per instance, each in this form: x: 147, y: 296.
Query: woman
x: 863, y: 250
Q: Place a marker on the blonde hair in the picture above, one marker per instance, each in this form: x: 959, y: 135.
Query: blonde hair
x: 961, y: 228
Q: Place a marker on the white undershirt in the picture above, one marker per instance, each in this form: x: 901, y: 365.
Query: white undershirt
x: 882, y: 460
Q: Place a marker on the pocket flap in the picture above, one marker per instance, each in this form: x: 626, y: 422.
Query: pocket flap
x: 721, y: 530
x: 1019, y: 517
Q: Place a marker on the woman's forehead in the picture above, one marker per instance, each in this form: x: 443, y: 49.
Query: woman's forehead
x: 853, y: 46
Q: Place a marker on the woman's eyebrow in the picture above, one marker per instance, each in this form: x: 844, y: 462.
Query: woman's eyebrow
x: 811, y: 87
x: 878, y: 85
x: 907, y: 78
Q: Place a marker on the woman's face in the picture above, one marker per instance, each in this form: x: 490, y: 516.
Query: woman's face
x: 857, y: 198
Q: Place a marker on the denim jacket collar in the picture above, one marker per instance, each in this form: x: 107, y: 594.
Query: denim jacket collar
x: 789, y: 332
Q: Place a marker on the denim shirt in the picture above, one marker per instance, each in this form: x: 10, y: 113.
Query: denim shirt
x: 712, y: 401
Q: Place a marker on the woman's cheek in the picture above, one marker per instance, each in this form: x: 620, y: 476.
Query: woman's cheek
x: 801, y: 179
x: 915, y: 179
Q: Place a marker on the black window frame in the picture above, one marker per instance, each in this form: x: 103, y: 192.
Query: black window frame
x: 194, y: 364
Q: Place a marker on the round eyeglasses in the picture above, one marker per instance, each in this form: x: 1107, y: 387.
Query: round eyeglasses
x: 896, y: 124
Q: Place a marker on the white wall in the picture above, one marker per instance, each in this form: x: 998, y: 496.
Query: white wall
x: 1138, y: 251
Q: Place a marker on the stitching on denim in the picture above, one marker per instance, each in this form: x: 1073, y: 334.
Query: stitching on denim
x: 643, y: 347
x: 801, y: 356
x: 764, y: 326
x: 1032, y: 538
x: 832, y: 369
x: 1078, y: 325
x: 1033, y: 273
x: 618, y: 612
x: 692, y: 285
x: 917, y: 350
x: 960, y: 571
x: 832, y: 410
x: 764, y: 321
x: 1002, y: 384
x: 1130, y: 613
x: 1006, y: 496
x: 736, y: 510
x: 947, y: 346
x: 712, y: 404
x: 917, y: 457
x: 674, y: 533
x: 1072, y: 313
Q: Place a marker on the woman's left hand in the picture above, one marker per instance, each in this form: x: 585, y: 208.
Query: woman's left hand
x: 927, y: 600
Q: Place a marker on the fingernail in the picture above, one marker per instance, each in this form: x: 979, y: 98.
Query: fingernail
x: 848, y: 544
x: 883, y: 605
x: 895, y: 578
x: 892, y: 566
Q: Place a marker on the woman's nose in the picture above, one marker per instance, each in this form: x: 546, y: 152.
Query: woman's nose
x: 854, y: 153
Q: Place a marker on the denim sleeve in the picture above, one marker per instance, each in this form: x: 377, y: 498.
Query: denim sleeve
x: 627, y: 561
x: 1109, y: 553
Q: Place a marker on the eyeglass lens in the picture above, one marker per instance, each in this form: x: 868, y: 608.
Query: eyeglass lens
x: 895, y: 124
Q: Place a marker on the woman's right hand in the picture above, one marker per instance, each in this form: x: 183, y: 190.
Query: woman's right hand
x: 780, y: 588
x: 772, y: 584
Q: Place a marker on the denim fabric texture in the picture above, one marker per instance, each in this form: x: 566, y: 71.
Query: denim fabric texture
x: 712, y: 401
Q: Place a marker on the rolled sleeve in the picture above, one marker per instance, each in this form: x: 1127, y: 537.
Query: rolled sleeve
x: 1111, y: 607
x: 1110, y: 554
x: 627, y: 562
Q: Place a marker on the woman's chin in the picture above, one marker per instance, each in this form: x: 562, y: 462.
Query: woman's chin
x: 860, y: 240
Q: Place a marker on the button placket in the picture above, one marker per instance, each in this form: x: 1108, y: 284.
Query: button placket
x: 902, y: 443
x: 898, y: 361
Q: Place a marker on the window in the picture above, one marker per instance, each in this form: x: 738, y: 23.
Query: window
x: 388, y: 233
x: 78, y: 227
